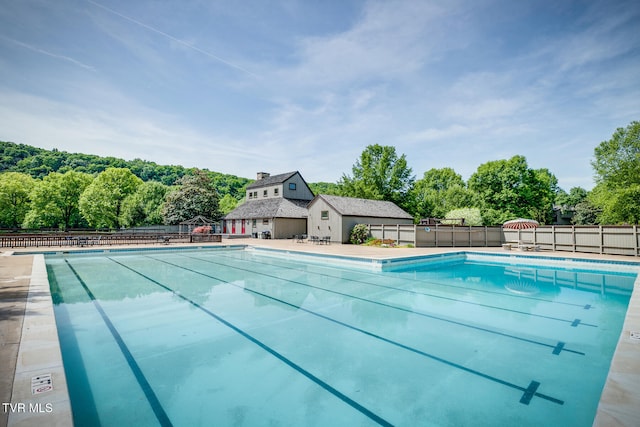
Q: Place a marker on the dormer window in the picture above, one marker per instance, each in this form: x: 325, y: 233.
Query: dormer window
x: 292, y: 186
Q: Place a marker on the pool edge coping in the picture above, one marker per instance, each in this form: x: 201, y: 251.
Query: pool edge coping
x: 39, y: 354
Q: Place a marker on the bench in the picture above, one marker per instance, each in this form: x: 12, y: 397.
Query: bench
x: 528, y: 246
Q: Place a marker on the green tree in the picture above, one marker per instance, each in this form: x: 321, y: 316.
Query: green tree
x: 228, y: 203
x: 101, y: 202
x: 379, y: 174
x: 471, y: 216
x: 196, y: 195
x: 55, y: 201
x: 144, y: 206
x: 324, y: 188
x: 585, y: 214
x: 617, y: 174
x: 508, y: 189
x: 567, y: 201
x: 439, y: 191
x: 15, y: 190
x: 572, y: 202
x: 543, y: 190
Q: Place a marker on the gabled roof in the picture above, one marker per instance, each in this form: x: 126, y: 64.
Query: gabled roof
x: 351, y: 206
x: 271, y: 180
x: 277, y: 207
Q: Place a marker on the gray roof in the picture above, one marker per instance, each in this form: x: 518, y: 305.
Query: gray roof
x: 271, y: 180
x: 277, y: 207
x: 350, y: 206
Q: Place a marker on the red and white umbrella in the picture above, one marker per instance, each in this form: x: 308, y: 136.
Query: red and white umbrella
x: 521, y: 224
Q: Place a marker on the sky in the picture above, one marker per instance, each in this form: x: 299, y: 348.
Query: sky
x: 245, y: 86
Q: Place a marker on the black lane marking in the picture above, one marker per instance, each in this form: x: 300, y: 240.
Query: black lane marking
x: 430, y: 316
x: 268, y: 349
x: 430, y: 282
x: 529, y: 392
x: 156, y: 406
x: 419, y: 293
x: 558, y: 348
x: 386, y: 340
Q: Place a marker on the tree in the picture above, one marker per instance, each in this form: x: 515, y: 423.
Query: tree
x: 228, y: 203
x: 101, y: 202
x: 575, y: 202
x: 616, y: 205
x: 617, y: 174
x: 471, y: 216
x: 585, y: 214
x: 196, y: 195
x: 15, y: 189
x: 544, y: 188
x: 379, y: 174
x: 324, y: 188
x: 567, y: 201
x: 144, y: 206
x: 439, y: 191
x: 508, y: 189
x: 55, y: 201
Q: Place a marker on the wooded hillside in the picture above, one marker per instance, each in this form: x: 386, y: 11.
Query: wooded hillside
x: 39, y: 162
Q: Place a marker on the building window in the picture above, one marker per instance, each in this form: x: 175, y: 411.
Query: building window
x: 324, y: 215
x: 250, y: 195
x: 253, y: 223
x: 292, y: 186
x: 275, y: 191
x: 265, y: 221
x: 264, y: 193
x: 255, y: 194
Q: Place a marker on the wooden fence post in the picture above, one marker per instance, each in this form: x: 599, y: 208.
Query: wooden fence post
x: 601, y: 239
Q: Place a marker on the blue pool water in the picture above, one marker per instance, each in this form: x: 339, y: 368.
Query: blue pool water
x: 242, y: 337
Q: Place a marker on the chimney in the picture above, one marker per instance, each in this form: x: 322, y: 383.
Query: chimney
x: 262, y: 175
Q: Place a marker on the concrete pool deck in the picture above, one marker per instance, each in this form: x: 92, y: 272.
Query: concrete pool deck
x: 29, y: 346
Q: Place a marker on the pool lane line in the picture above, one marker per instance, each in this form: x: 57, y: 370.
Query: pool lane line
x: 346, y: 399
x: 346, y: 325
x: 430, y: 282
x: 155, y: 404
x: 555, y: 347
x: 574, y: 322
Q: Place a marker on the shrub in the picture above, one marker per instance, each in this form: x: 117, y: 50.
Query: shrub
x: 359, y: 234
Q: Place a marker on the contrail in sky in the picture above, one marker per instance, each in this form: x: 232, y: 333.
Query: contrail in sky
x: 170, y: 37
x: 44, y: 52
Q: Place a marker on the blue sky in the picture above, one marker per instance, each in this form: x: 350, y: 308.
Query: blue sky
x: 247, y: 86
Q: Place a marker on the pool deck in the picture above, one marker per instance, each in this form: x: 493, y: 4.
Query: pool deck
x: 29, y: 346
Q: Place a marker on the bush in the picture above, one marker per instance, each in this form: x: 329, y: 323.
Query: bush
x: 359, y: 234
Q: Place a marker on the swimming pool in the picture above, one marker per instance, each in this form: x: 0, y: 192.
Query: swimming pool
x: 246, y: 337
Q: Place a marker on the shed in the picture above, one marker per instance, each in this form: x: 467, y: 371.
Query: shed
x: 335, y: 216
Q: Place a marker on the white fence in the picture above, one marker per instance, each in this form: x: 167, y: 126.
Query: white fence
x: 606, y: 240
